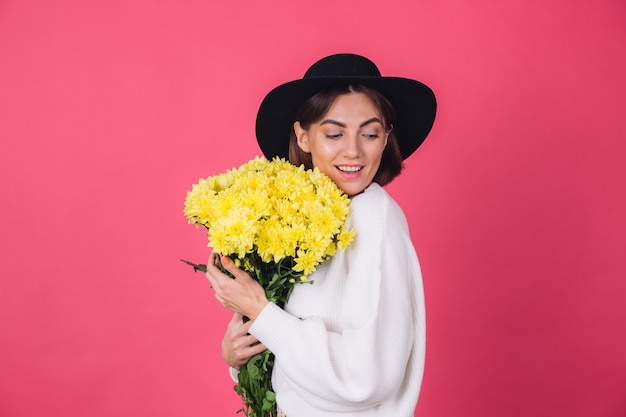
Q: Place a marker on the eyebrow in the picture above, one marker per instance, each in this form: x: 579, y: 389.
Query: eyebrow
x: 365, y: 123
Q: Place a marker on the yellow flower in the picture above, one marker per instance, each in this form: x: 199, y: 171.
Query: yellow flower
x: 234, y: 233
x: 273, y: 209
x: 306, y: 262
x: 345, y: 238
x: 330, y: 251
x: 270, y: 244
x: 198, y: 202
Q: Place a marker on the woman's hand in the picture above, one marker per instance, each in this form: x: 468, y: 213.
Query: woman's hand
x: 242, y: 295
x: 238, y: 346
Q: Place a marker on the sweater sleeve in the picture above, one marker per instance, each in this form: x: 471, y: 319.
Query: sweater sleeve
x: 362, y: 362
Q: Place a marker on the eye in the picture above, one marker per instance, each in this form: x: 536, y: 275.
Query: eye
x: 371, y: 135
x: 333, y: 135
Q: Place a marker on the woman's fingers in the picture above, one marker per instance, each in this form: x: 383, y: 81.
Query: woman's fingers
x: 237, y: 345
x: 255, y: 349
x: 214, y: 274
x: 242, y: 294
x: 236, y: 321
x: 229, y: 265
x: 236, y: 272
x: 246, y: 347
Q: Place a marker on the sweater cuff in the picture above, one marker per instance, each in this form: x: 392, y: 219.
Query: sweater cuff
x: 234, y: 374
x: 272, y: 323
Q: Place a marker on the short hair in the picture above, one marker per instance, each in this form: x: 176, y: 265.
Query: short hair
x: 315, y: 107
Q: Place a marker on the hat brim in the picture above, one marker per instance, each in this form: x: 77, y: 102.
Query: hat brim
x: 414, y: 103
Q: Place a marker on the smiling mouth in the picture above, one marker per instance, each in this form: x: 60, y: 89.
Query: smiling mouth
x: 349, y: 169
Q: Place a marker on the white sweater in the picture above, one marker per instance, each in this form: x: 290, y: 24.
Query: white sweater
x: 352, y: 344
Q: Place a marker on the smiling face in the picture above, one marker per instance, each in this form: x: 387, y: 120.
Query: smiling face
x: 347, y: 143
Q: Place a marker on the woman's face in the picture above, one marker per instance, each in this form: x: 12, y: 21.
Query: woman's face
x: 347, y: 143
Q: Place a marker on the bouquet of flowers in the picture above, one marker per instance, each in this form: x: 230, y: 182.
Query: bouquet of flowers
x: 277, y: 222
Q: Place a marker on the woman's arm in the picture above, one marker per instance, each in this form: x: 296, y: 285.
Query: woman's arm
x: 373, y: 357
x: 343, y: 370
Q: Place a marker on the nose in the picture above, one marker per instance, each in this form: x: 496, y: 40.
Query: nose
x: 352, y: 148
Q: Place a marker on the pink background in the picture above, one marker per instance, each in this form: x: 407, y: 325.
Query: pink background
x: 110, y: 110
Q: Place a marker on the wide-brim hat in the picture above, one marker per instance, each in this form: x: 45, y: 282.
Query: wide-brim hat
x: 413, y: 102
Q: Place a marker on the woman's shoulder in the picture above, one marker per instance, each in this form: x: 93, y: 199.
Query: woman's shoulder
x: 375, y: 199
x: 375, y: 206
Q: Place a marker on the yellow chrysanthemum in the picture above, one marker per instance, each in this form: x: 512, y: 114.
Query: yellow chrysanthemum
x: 270, y: 244
x: 198, y: 202
x: 306, y: 262
x: 234, y: 233
x: 273, y: 209
x: 345, y: 238
x: 331, y: 250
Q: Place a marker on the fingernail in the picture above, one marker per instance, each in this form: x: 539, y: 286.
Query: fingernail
x: 226, y: 260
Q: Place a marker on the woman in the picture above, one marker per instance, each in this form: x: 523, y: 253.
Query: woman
x: 353, y: 343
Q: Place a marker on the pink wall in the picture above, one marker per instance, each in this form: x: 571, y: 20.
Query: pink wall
x: 109, y: 111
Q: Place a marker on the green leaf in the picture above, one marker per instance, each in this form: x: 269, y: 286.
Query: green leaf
x: 196, y: 267
x: 255, y: 386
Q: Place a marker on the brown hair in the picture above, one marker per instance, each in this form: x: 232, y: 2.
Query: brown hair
x: 315, y: 107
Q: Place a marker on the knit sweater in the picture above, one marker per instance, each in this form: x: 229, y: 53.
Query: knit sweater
x: 353, y: 342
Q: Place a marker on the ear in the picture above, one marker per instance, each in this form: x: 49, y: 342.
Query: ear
x: 301, y: 137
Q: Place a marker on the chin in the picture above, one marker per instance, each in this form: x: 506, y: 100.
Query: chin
x: 352, y: 191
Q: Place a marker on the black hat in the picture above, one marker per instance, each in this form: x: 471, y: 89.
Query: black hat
x: 413, y: 102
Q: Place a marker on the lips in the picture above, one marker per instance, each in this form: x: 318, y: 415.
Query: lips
x: 349, y: 169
